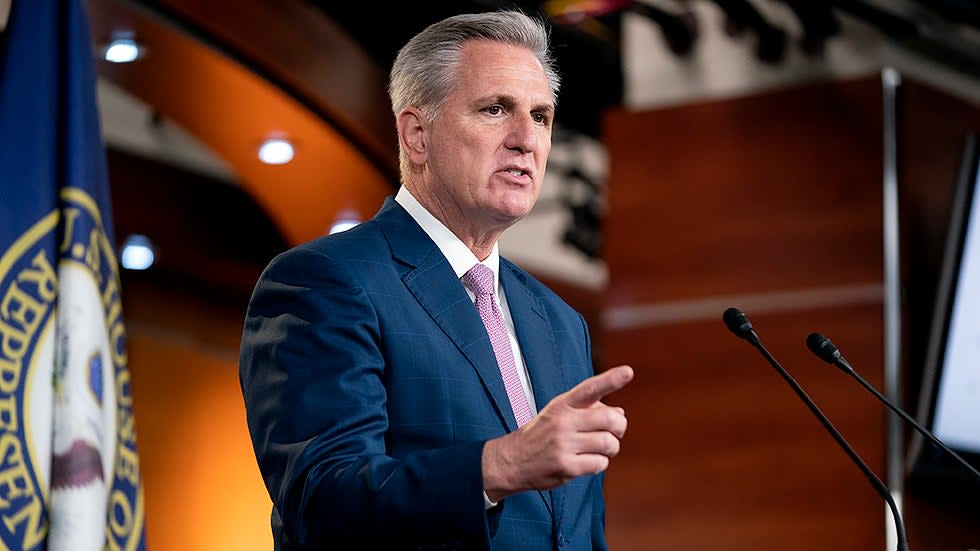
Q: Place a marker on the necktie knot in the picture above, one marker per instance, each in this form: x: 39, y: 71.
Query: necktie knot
x: 479, y: 279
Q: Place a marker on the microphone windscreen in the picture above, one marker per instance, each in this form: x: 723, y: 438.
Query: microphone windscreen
x: 737, y: 322
x: 822, y: 348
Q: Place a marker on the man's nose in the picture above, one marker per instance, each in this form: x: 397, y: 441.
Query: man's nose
x: 525, y: 134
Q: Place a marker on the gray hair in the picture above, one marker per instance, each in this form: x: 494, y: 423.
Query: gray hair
x: 424, y: 72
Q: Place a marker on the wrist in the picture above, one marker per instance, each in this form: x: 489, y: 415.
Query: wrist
x: 496, y: 482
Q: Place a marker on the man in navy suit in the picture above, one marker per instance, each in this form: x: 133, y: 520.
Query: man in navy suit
x: 393, y: 402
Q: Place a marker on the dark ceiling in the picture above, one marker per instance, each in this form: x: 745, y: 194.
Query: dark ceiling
x: 590, y: 65
x: 590, y: 61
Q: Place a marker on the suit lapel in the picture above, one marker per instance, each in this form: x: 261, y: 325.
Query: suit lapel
x: 538, y: 348
x: 432, y: 280
x: 534, y: 335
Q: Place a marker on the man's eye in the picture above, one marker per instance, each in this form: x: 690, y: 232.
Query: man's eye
x: 494, y: 110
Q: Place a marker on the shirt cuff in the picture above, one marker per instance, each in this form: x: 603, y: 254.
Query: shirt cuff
x: 487, y: 504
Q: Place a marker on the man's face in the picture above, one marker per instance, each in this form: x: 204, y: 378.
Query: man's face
x: 489, y: 144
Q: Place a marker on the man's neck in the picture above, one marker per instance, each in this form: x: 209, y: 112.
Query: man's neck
x: 472, y: 233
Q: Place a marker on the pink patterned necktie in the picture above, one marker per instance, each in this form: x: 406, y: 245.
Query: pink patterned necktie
x: 479, y: 279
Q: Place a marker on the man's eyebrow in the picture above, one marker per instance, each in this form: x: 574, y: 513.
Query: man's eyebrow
x: 509, y: 101
x: 543, y: 108
x: 496, y: 98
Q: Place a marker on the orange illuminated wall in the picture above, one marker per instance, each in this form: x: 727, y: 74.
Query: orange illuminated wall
x: 201, y: 483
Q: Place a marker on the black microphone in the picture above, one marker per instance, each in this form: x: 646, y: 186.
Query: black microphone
x: 826, y: 351
x: 739, y: 324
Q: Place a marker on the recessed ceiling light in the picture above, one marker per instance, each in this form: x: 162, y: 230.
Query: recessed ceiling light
x: 343, y: 225
x: 122, y: 50
x: 276, y: 151
x: 137, y: 253
x: 346, y: 220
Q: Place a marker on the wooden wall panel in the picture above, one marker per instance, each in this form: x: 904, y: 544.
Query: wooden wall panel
x: 777, y: 191
x: 768, y: 202
x: 721, y: 453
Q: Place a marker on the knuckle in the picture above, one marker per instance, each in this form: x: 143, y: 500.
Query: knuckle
x: 612, y: 444
x: 620, y: 427
x: 606, y: 419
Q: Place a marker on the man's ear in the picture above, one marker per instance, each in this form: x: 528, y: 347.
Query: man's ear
x: 412, y: 135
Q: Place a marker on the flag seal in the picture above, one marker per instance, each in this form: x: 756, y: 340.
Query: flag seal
x: 46, y: 319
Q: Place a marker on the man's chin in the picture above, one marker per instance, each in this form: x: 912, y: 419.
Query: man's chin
x: 511, y: 216
x: 514, y: 209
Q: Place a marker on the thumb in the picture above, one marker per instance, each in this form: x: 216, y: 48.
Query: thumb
x: 594, y: 388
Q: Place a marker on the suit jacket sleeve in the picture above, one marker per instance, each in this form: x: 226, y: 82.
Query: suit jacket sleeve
x: 313, y: 378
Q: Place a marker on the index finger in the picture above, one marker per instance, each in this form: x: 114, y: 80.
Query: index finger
x: 594, y: 388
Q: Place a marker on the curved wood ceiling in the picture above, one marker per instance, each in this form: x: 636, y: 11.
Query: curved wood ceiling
x: 327, y: 98
x: 306, y: 54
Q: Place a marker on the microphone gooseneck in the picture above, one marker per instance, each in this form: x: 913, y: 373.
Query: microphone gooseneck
x: 738, y: 323
x: 828, y: 352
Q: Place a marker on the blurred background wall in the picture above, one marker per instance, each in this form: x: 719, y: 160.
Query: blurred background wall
x: 707, y: 154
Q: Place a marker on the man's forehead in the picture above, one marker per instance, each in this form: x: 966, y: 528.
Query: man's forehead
x: 504, y: 71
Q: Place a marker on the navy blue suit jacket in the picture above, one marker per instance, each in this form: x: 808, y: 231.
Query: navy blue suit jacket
x: 370, y: 387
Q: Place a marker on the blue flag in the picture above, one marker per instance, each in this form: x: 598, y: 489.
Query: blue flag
x: 69, y: 469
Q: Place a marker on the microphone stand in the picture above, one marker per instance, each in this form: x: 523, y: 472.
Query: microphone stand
x: 739, y: 324
x: 821, y: 345
x: 875, y: 481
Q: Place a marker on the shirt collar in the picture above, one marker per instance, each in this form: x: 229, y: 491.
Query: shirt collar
x: 460, y: 257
